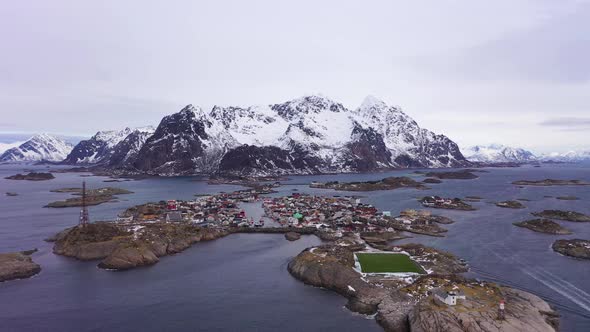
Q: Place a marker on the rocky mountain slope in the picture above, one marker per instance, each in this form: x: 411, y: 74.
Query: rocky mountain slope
x: 496, y: 153
x: 308, y: 135
x: 104, y: 147
x: 37, y: 148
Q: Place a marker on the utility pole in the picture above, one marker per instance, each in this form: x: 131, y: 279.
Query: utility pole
x: 84, y: 212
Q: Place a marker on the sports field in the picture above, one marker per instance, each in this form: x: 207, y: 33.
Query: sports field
x: 387, y: 263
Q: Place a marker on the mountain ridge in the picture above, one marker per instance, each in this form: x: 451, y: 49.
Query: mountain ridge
x: 307, y: 135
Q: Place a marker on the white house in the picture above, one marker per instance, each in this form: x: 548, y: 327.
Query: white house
x: 449, y: 297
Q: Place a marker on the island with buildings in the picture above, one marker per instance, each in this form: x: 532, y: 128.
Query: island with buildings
x: 388, y: 183
x: 438, y: 202
x: 576, y: 248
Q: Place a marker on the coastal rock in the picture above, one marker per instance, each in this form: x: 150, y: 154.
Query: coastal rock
x: 292, y: 236
x: 575, y: 248
x: 90, y: 242
x: 524, y: 312
x: 17, y: 265
x: 432, y: 180
x: 544, y: 226
x: 129, y: 256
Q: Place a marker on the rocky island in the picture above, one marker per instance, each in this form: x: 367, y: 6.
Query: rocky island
x: 32, y: 176
x: 465, y: 174
x: 567, y: 198
x: 389, y: 183
x: 93, y: 196
x: 17, y: 265
x: 544, y: 226
x: 445, y: 203
x: 563, y: 215
x: 550, y: 182
x: 432, y: 180
x: 575, y: 248
x: 510, y: 205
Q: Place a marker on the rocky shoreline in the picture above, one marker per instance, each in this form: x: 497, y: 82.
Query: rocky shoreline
x: 17, y: 265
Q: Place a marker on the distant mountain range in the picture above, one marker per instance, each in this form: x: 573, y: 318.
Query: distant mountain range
x: 308, y: 135
x: 497, y: 153
x: 42, y: 147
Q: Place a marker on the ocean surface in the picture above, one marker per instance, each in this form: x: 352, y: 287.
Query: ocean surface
x: 241, y: 283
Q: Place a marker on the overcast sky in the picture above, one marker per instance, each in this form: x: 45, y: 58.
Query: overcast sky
x: 511, y: 72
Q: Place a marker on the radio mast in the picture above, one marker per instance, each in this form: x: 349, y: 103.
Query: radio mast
x: 84, y: 211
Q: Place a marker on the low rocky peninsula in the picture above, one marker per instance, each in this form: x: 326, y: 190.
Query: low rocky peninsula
x: 389, y: 183
x: 17, y: 265
x: 408, y: 303
x: 551, y: 182
x: 126, y: 246
x: 93, y: 196
x: 510, y: 205
x: 446, y: 203
x: 563, y: 215
x: 544, y: 226
x: 432, y: 180
x: 465, y: 174
x: 32, y: 176
x: 575, y: 248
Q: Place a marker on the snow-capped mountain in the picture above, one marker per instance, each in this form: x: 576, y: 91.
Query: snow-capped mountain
x: 100, y: 147
x: 39, y: 147
x: 6, y: 146
x: 496, y: 153
x: 570, y: 156
x: 312, y: 134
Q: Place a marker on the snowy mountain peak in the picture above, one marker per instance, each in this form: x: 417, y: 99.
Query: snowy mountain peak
x: 300, y: 107
x: 39, y: 147
x: 371, y: 102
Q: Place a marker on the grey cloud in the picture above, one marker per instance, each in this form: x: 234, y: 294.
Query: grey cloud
x: 570, y: 124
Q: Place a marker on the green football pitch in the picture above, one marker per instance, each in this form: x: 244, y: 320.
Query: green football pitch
x: 387, y: 263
